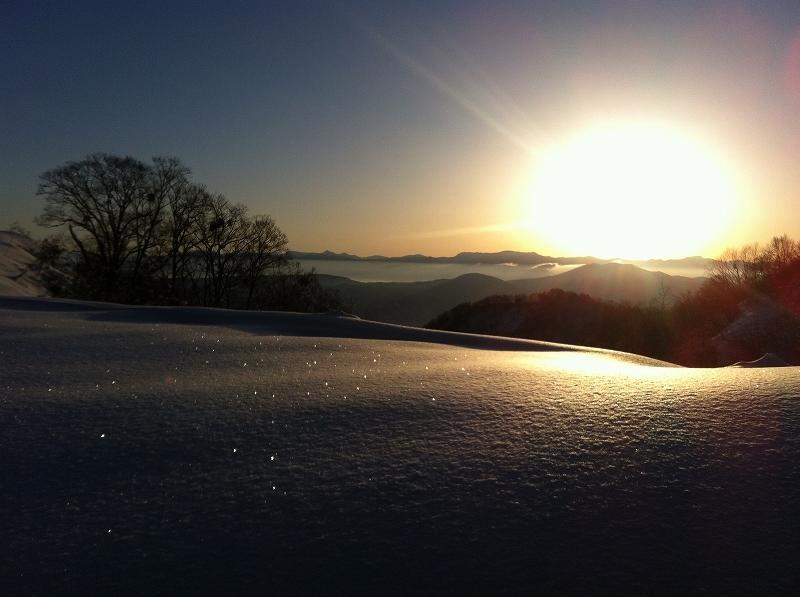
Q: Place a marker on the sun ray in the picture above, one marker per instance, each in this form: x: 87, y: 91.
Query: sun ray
x: 472, y: 90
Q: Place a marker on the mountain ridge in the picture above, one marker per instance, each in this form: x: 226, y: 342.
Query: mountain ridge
x: 417, y: 303
x: 500, y: 257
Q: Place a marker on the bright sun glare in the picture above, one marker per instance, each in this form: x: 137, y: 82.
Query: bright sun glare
x: 632, y: 190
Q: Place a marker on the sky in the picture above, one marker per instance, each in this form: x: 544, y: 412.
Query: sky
x: 417, y: 127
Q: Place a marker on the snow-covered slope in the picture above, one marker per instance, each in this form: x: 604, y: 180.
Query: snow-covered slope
x: 201, y: 451
x: 330, y: 325
x: 17, y: 275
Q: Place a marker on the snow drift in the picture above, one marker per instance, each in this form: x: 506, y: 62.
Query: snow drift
x: 327, y: 325
x: 202, y: 451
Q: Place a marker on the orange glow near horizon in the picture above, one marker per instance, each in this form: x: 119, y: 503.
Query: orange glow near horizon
x: 631, y: 190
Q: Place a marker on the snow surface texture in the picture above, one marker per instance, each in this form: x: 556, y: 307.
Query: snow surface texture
x: 200, y: 451
x: 336, y: 325
x: 17, y: 276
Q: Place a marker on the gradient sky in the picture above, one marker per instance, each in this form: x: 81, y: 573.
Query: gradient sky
x: 393, y: 127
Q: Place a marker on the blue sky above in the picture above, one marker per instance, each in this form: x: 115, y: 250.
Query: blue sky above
x: 361, y: 126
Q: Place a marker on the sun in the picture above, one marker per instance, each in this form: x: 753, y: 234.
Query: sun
x: 632, y: 190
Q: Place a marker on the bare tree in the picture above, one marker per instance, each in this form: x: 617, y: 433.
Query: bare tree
x: 738, y: 268
x: 100, y: 200
x: 166, y: 179
x: 146, y: 232
x: 780, y: 252
x: 265, y: 251
x: 664, y: 296
x: 222, y: 239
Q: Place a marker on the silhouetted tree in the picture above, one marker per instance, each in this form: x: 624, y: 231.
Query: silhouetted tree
x: 147, y: 233
x: 180, y: 237
x: 561, y: 316
x: 738, y: 267
x: 222, y: 243
x: 781, y: 252
x: 166, y: 179
x: 104, y: 203
x: 264, y: 253
x: 292, y: 289
x: 52, y: 263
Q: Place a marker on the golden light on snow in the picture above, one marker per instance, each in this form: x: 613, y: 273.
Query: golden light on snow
x: 631, y: 190
x: 600, y: 365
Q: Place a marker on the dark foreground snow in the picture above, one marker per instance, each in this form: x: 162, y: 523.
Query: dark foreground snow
x: 195, y: 451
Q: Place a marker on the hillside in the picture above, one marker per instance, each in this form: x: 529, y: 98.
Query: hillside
x: 411, y: 303
x: 561, y: 316
x: 157, y: 450
x: 416, y: 303
x: 17, y: 274
x: 614, y: 282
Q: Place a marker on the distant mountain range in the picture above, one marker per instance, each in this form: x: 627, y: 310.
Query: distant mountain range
x: 518, y: 257
x: 416, y: 303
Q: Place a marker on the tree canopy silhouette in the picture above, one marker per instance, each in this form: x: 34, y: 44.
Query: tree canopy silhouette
x: 145, y: 232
